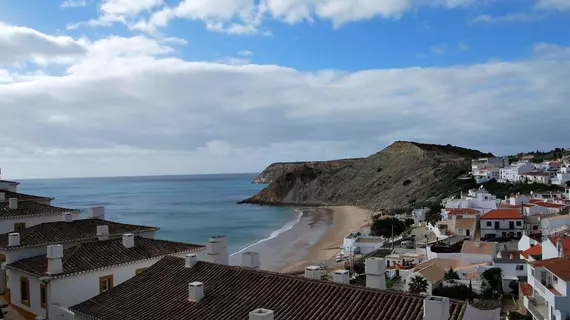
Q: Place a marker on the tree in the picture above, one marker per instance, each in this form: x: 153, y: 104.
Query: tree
x: 383, y: 227
x: 451, y: 275
x: 459, y: 292
x: 514, y: 286
x: 492, y: 283
x: 418, y: 285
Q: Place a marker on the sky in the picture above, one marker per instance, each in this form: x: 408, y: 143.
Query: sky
x: 145, y: 87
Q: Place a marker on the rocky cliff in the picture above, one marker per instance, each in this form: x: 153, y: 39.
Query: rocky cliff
x: 279, y: 169
x: 397, y: 177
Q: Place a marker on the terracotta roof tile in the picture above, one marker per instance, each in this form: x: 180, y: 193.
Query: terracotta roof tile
x: 502, y: 214
x: 23, y: 196
x: 550, y: 205
x: 565, y: 241
x: 61, y: 232
x: 479, y: 247
x: 95, y: 255
x: 525, y: 289
x: 558, y: 266
x: 532, y: 251
x: 230, y: 293
x: 30, y: 208
x: 461, y: 211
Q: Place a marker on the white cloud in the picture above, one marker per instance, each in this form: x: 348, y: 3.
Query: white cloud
x: 131, y: 106
x: 21, y: 44
x: 560, y: 5
x: 510, y: 17
x: 234, y: 61
x: 439, y: 49
x: 245, y: 53
x: 73, y: 3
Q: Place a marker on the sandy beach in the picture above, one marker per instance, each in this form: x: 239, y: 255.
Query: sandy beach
x: 345, y: 219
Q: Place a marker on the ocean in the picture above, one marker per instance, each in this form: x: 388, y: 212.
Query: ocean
x: 191, y: 208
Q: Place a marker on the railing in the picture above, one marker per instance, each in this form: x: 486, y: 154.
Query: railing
x: 534, y: 310
x: 539, y: 286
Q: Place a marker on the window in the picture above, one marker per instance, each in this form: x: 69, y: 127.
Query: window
x: 519, y: 234
x: 43, y: 295
x: 532, y: 272
x: 105, y: 283
x: 520, y: 267
x: 489, y: 223
x: 555, y: 279
x: 25, y: 291
x: 519, y: 223
x: 139, y: 270
x: 19, y: 226
x: 504, y: 234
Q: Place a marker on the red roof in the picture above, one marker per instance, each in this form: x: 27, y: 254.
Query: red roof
x: 506, y: 205
x: 535, y: 200
x: 565, y: 243
x: 503, y: 214
x: 526, y: 289
x: 461, y: 211
x: 550, y: 205
x: 532, y: 251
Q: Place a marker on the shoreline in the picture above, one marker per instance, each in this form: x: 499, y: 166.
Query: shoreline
x: 345, y: 219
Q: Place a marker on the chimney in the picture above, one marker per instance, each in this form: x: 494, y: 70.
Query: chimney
x: 559, y: 248
x: 190, y: 260
x: 55, y: 259
x: 13, y: 203
x: 375, y: 273
x: 261, y: 314
x: 250, y: 260
x: 215, y: 251
x: 13, y: 239
x: 128, y: 240
x: 195, y: 291
x: 103, y: 232
x: 313, y: 272
x: 224, y: 255
x: 477, y: 244
x: 96, y: 213
x: 436, y: 308
x: 67, y: 217
x: 341, y: 276
x: 2, y: 196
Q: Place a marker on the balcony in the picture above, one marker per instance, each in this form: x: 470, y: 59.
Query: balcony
x: 539, y: 286
x: 538, y: 309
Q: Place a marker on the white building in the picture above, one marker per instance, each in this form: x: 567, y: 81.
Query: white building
x: 550, y: 282
x: 419, y: 215
x: 474, y: 252
x: 513, y: 172
x: 210, y: 291
x: 486, y: 174
x: 66, y: 277
x: 502, y: 223
x: 16, y: 214
x: 482, y: 163
x: 513, y: 265
x: 478, y: 199
x: 536, y: 177
x: 562, y: 176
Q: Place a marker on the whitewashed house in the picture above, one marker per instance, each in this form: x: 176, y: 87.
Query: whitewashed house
x: 419, y: 215
x: 11, y: 186
x: 65, y: 277
x: 16, y: 214
x: 553, y: 224
x: 513, y: 266
x: 536, y: 177
x: 550, y: 282
x: 478, y: 199
x: 513, y: 172
x: 462, y: 221
x: 550, y: 207
x: 562, y: 176
x: 474, y: 252
x: 502, y: 223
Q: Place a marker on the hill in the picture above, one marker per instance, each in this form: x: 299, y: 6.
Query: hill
x: 397, y: 177
x: 278, y: 169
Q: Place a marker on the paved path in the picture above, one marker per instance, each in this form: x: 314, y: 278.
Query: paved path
x: 12, y: 314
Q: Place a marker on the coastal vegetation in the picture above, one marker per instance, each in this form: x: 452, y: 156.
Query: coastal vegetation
x: 418, y: 285
x: 387, y: 227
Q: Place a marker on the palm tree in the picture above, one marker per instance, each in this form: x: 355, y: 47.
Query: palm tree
x: 418, y: 285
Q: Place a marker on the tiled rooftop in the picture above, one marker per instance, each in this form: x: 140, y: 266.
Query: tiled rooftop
x: 100, y: 254
x: 479, y: 247
x: 22, y: 196
x: 161, y: 292
x: 558, y: 266
x: 550, y: 205
x: 503, y: 214
x: 461, y: 211
x: 30, y: 208
x: 61, y: 232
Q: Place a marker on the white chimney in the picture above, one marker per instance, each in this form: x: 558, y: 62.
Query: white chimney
x: 190, y: 260
x: 195, y: 291
x: 128, y: 240
x: 96, y: 213
x: 215, y: 252
x: 55, y: 259
x: 103, y: 232
x: 13, y: 203
x: 224, y: 254
x: 341, y: 276
x: 375, y: 273
x: 13, y: 239
x: 559, y: 248
x: 313, y: 272
x: 2, y: 196
x: 250, y: 260
x: 261, y: 314
x: 436, y: 308
x: 67, y: 217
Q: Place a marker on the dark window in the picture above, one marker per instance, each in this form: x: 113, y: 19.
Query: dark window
x: 25, y: 291
x: 489, y: 223
x: 520, y: 267
x: 43, y: 295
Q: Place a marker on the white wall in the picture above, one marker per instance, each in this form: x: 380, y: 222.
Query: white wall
x: 7, y: 225
x: 503, y: 227
x: 8, y: 186
x: 14, y: 285
x: 470, y: 258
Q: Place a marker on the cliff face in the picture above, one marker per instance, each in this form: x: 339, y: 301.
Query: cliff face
x: 279, y: 169
x: 398, y: 176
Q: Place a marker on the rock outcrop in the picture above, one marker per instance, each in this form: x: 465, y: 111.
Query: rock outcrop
x: 397, y: 177
x: 279, y: 169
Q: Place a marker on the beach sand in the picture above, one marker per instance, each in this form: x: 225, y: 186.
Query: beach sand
x: 345, y: 219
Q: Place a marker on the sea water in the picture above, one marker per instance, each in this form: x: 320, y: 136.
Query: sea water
x: 186, y: 208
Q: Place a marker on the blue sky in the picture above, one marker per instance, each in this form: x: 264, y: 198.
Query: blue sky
x: 195, y: 86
